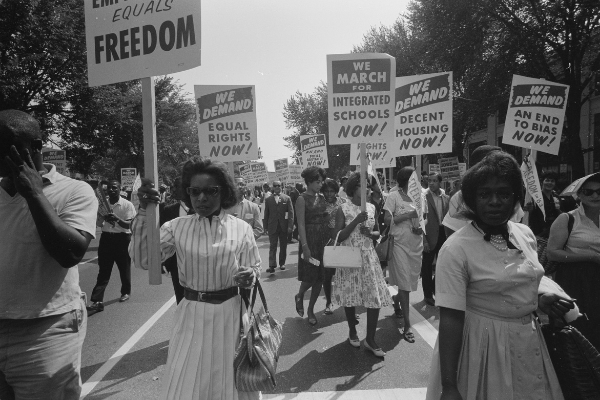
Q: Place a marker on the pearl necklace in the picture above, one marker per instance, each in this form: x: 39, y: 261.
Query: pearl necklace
x: 498, y: 242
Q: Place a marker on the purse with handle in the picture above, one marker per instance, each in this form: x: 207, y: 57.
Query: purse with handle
x: 256, y: 357
x: 385, y: 247
x: 341, y: 256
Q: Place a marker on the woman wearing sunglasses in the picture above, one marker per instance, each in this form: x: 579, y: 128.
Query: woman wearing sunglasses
x: 579, y: 255
x: 216, y: 256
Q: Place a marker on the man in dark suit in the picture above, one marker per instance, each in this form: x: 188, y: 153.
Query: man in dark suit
x: 294, y: 194
x: 435, y: 236
x: 279, y: 220
x: 167, y: 213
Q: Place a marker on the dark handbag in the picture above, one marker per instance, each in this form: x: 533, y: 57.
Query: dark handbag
x: 550, y: 267
x: 385, y: 248
x: 255, y: 360
x: 575, y: 360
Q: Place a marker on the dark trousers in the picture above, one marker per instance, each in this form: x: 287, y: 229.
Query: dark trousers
x: 173, y: 270
x: 113, y: 248
x: 427, y: 265
x: 279, y: 235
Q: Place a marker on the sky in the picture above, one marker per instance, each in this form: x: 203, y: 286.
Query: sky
x: 280, y: 46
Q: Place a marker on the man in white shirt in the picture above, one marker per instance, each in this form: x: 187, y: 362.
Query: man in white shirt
x: 47, y: 223
x: 114, y: 246
x: 247, y: 210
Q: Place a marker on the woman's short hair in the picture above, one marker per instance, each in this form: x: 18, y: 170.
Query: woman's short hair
x: 549, y: 175
x: 353, y: 183
x: 312, y: 174
x: 330, y: 184
x: 218, y: 171
x: 497, y: 164
x: 403, y: 175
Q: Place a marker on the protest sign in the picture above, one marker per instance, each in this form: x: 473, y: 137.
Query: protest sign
x: 314, y: 151
x: 532, y: 182
x: 56, y: 157
x: 416, y: 195
x: 462, y: 168
x: 296, y: 173
x: 434, y: 168
x: 245, y: 172
x: 138, y: 39
x: 535, y: 114
x: 449, y: 168
x: 423, y: 114
x: 257, y: 174
x: 128, y: 176
x: 378, y: 153
x: 271, y: 177
x: 360, y: 88
x: 281, y: 169
x: 226, y: 118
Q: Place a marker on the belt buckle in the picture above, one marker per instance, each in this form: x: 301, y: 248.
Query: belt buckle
x: 201, y: 296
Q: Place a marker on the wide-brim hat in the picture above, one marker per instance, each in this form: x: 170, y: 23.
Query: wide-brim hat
x: 574, y: 187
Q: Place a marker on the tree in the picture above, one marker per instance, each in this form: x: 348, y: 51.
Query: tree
x: 307, y: 115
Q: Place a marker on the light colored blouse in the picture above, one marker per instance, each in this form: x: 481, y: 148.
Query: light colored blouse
x: 585, y: 234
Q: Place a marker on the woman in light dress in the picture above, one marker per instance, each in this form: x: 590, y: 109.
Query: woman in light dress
x: 216, y: 255
x: 487, y: 287
x: 405, y: 267
x: 364, y: 286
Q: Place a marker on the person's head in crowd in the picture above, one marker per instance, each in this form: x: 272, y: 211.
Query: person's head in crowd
x: 480, y: 152
x: 434, y: 181
x: 548, y: 180
x: 241, y: 188
x: 299, y: 187
x: 207, y: 186
x: 266, y: 187
x: 21, y: 130
x: 343, y: 181
x: 424, y: 179
x: 276, y: 187
x: 162, y: 188
x: 330, y: 190
x: 589, y: 192
x: 113, y: 189
x: 353, y: 185
x: 492, y: 188
x: 403, y: 176
x: 314, y: 178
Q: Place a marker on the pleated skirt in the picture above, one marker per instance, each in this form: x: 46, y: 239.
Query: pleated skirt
x: 500, y: 360
x: 201, y: 352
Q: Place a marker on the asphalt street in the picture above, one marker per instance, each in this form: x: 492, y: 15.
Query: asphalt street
x: 126, y: 347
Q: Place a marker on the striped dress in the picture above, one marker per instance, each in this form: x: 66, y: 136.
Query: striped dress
x: 204, y: 336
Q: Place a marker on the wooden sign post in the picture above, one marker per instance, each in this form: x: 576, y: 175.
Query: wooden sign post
x: 363, y: 177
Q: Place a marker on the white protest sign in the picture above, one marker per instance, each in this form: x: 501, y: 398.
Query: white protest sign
x: 138, y: 39
x: 314, y: 151
x: 434, y: 168
x: 258, y: 174
x: 296, y: 173
x: 245, y: 173
x: 532, y: 183
x: 226, y: 118
x: 416, y: 195
x: 449, y: 168
x: 360, y: 88
x: 128, y: 178
x: 281, y: 169
x: 462, y: 168
x: 378, y: 153
x: 535, y: 115
x: 423, y: 114
x: 56, y: 157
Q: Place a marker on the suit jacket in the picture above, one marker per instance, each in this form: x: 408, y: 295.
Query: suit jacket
x: 249, y: 212
x: 432, y: 227
x: 275, y: 214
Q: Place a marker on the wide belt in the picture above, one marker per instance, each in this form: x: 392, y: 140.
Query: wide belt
x: 211, y: 297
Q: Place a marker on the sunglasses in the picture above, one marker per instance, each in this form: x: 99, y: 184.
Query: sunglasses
x: 276, y: 185
x: 210, y: 191
x: 590, y: 192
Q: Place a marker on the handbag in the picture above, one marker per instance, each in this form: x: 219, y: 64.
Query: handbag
x: 550, y: 267
x: 341, y: 256
x: 256, y: 357
x: 575, y: 360
x: 385, y: 248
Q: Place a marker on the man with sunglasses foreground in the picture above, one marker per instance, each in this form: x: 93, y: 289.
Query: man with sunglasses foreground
x: 279, y: 220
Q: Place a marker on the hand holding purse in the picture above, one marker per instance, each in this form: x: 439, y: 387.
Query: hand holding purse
x: 341, y: 256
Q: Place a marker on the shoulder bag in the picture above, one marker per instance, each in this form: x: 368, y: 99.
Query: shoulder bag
x: 256, y: 357
x: 385, y: 247
x: 341, y: 256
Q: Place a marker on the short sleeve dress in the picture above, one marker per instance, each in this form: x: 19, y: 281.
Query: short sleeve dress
x: 316, y: 220
x: 363, y: 286
x: 503, y: 354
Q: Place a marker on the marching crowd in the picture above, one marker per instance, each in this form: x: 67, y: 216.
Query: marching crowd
x: 486, y: 267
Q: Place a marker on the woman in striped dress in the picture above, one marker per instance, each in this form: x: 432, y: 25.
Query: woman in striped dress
x: 216, y: 255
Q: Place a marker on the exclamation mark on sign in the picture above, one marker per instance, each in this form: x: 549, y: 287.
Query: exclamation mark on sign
x: 442, y: 139
x: 384, y: 154
x: 249, y: 146
x: 550, y: 142
x: 382, y: 128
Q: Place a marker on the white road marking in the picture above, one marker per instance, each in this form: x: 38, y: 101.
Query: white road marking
x: 420, y: 324
x: 87, y: 261
x: 381, y: 394
x: 115, y: 358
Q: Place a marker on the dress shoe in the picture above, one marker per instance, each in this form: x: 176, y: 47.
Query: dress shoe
x: 123, y: 298
x: 377, y: 352
x: 282, y: 267
x: 354, y: 342
x: 271, y: 270
x: 96, y: 307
